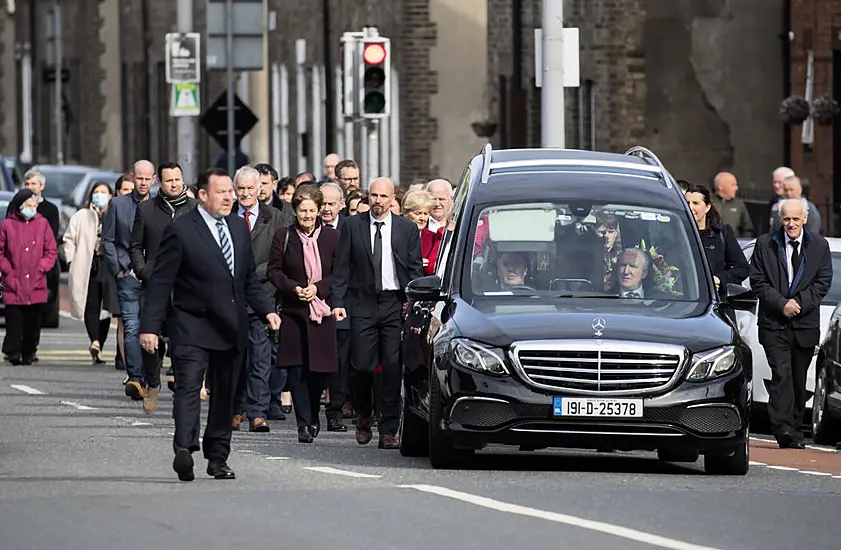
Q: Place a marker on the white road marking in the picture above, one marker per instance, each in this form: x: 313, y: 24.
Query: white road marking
x: 784, y: 468
x: 277, y: 458
x: 602, y: 527
x: 752, y: 463
x: 824, y: 449
x: 26, y: 389
x: 334, y: 471
x: 78, y: 406
x: 811, y: 473
x: 141, y: 423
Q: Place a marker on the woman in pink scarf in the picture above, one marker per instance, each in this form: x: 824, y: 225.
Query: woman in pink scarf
x: 301, y: 269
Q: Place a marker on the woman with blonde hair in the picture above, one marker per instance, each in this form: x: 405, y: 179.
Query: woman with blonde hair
x: 417, y: 206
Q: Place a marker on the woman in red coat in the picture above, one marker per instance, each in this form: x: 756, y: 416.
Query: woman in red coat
x: 301, y: 269
x: 27, y: 253
x: 417, y: 206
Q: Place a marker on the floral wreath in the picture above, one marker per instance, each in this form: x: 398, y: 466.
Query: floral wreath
x: 664, y: 277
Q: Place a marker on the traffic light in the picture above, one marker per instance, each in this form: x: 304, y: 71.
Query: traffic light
x: 376, y: 81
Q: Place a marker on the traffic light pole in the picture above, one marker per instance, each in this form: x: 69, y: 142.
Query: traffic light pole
x: 185, y: 126
x: 229, y: 55
x: 552, y: 93
x: 373, y: 160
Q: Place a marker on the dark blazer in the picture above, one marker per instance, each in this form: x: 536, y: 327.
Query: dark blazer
x: 117, y: 225
x: 344, y: 324
x: 149, y: 222
x: 769, y: 280
x: 353, y: 277
x: 265, y: 227
x: 304, y: 342
x: 208, y: 304
x: 727, y: 262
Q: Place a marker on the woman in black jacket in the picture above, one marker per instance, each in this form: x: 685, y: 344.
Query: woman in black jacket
x: 727, y: 262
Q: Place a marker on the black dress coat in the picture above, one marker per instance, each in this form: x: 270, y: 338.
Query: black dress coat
x: 303, y: 342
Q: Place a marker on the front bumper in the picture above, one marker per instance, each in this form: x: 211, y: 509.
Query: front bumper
x: 481, y: 410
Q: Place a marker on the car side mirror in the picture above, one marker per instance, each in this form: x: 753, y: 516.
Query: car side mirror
x: 739, y: 297
x: 424, y: 289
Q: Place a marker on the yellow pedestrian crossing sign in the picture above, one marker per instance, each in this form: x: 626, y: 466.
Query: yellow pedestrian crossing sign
x: 185, y: 100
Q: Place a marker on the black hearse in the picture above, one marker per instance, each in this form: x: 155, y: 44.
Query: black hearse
x: 572, y: 306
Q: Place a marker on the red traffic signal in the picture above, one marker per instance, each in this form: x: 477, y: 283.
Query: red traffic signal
x: 373, y: 54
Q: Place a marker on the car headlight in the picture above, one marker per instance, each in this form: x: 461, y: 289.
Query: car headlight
x: 712, y: 364
x: 474, y: 356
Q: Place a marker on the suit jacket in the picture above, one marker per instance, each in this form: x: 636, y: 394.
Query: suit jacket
x: 340, y: 221
x: 353, y: 272
x: 725, y: 256
x: 266, y: 226
x: 208, y: 304
x: 769, y: 280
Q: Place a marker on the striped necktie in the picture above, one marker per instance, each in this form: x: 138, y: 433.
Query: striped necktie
x: 225, y: 244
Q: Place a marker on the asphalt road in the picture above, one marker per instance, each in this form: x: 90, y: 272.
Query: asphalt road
x: 82, y: 467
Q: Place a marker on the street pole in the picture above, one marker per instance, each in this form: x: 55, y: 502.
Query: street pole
x: 552, y: 105
x: 229, y: 56
x: 59, y: 115
x: 373, y: 151
x: 185, y: 126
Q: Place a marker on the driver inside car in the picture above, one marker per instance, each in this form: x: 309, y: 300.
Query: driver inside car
x: 512, y: 269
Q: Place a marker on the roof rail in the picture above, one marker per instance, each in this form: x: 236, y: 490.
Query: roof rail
x: 646, y: 154
x: 486, y: 163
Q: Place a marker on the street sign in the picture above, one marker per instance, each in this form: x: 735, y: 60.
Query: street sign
x: 183, y: 63
x: 248, y: 26
x: 215, y: 121
x: 185, y: 100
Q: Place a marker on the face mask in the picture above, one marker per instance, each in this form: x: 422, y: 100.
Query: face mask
x: 28, y: 213
x: 99, y: 199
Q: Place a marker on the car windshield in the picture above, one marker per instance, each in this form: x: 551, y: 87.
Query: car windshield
x: 60, y: 184
x: 586, y: 251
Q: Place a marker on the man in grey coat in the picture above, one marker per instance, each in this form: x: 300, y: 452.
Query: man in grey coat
x: 793, y: 189
x: 253, y: 396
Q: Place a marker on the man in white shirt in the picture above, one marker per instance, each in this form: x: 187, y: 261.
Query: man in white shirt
x: 442, y: 198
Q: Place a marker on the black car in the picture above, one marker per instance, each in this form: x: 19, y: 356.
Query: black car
x: 572, y: 306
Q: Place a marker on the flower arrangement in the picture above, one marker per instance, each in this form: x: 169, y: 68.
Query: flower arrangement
x: 664, y: 277
x: 794, y: 110
x: 825, y: 110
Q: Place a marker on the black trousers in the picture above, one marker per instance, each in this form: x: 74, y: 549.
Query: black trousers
x: 23, y: 330
x: 376, y: 341
x: 97, y: 328
x: 339, y: 382
x: 223, y: 367
x: 306, y: 388
x: 789, y: 360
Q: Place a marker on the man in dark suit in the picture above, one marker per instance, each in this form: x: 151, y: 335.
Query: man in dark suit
x: 253, y: 395
x: 378, y: 254
x: 791, y: 272
x: 205, y: 265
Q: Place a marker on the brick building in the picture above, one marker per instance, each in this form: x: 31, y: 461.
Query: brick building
x: 816, y: 30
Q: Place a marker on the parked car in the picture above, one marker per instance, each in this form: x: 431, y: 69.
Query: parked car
x: 519, y: 339
x: 746, y: 321
x: 7, y: 175
x: 5, y: 198
x: 825, y: 418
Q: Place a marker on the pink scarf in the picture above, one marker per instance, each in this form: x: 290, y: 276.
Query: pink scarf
x: 312, y: 263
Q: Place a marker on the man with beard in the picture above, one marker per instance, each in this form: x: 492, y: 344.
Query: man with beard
x: 149, y: 222
x: 201, y: 284
x: 378, y: 254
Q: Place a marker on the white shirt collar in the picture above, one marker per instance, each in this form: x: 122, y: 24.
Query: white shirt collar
x: 255, y: 210
x: 386, y: 221
x: 208, y: 217
x: 799, y: 239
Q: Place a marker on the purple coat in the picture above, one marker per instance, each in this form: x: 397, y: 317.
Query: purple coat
x: 27, y: 253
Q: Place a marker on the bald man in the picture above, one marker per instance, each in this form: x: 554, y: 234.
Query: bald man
x: 442, y: 203
x: 116, y: 240
x: 330, y: 162
x: 378, y: 254
x: 793, y: 189
x: 732, y: 210
x: 791, y: 272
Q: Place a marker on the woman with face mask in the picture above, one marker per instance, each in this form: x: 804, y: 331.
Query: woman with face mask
x: 92, y: 291
x: 27, y: 253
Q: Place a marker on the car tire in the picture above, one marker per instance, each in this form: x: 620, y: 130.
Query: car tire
x: 414, y: 440
x: 442, y: 453
x: 50, y: 317
x: 737, y: 464
x: 825, y: 429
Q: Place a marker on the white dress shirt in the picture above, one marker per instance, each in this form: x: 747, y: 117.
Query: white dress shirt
x: 211, y: 225
x: 789, y: 249
x: 434, y: 224
x: 389, y: 271
x: 638, y: 290
x: 255, y: 212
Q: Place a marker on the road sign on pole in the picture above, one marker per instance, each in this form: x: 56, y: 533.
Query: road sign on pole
x: 182, y: 57
x: 215, y: 120
x: 185, y: 100
x: 248, y: 23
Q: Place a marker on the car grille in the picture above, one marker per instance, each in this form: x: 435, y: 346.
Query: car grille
x: 598, y: 367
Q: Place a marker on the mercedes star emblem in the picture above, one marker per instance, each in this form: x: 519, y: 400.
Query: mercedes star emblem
x: 598, y: 326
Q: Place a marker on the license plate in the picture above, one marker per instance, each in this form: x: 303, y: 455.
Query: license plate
x: 609, y: 408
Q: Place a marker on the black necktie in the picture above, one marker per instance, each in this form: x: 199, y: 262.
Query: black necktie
x: 795, y: 258
x: 632, y: 295
x: 378, y: 257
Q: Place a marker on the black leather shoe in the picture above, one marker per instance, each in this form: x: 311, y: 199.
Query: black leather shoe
x: 315, y: 429
x: 275, y: 413
x: 304, y: 435
x: 220, y: 470
x: 336, y: 426
x: 183, y: 465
